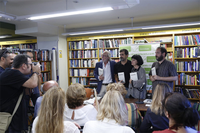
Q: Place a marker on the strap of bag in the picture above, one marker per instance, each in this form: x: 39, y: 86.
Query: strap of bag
x: 17, y: 105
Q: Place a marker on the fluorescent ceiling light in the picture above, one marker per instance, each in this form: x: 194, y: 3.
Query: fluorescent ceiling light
x: 172, y: 25
x: 92, y: 32
x: 9, y: 17
x: 71, y: 13
x: 4, y: 36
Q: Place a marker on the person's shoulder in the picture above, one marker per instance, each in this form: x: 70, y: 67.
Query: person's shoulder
x: 39, y: 99
x: 190, y: 130
x: 89, y: 107
x: 69, y: 126
x: 164, y: 131
x: 112, y: 62
x: 127, y: 129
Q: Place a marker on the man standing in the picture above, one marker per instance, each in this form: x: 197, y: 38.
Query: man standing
x: 12, y: 83
x: 165, y: 71
x: 123, y: 66
x: 47, y: 85
x: 35, y: 92
x: 6, y: 59
x: 107, y: 68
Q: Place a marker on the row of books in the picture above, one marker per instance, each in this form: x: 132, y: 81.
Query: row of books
x: 83, y: 54
x: 189, y: 93
x: 84, y: 81
x: 187, y: 52
x: 27, y: 46
x: 83, y: 44
x: 83, y: 63
x: 187, y: 40
x: 187, y: 65
x: 45, y: 66
x: 113, y: 52
x: 81, y: 72
x: 184, y: 79
x: 45, y: 76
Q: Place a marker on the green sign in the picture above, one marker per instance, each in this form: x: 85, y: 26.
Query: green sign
x: 144, y: 47
x: 129, y: 58
x: 149, y: 82
x: 125, y: 47
x: 151, y: 59
x: 147, y: 70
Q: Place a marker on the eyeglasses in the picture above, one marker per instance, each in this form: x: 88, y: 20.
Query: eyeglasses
x: 5, y: 52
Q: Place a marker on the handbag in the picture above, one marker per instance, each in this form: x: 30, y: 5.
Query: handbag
x: 5, y: 117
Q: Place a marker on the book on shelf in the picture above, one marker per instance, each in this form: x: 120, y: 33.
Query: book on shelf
x: 187, y: 40
x: 186, y: 52
x: 83, y: 54
x: 83, y: 63
x: 190, y: 66
x: 114, y: 43
x: 189, y: 93
x: 83, y: 44
x: 27, y: 46
x: 166, y: 40
x: 185, y: 79
x: 83, y: 81
x: 113, y: 52
x: 45, y: 76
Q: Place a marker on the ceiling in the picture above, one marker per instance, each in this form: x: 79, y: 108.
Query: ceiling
x: 145, y: 13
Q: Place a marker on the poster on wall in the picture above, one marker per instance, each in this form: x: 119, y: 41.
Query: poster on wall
x: 147, y: 52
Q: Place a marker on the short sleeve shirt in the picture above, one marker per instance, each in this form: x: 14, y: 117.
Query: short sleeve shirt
x: 11, y: 82
x: 124, y: 68
x: 165, y: 69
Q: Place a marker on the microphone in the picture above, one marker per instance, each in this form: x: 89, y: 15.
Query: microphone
x: 141, y: 86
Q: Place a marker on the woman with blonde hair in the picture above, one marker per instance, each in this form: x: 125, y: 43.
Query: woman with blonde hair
x: 112, y: 115
x: 50, y: 118
x: 75, y: 111
x: 155, y: 118
x: 118, y: 87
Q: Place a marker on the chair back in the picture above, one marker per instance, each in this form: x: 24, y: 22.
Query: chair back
x: 89, y: 92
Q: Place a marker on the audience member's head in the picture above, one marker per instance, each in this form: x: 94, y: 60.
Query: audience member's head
x: 49, y: 84
x: 23, y: 63
x: 75, y: 95
x: 118, y: 87
x: 50, y: 118
x: 159, y: 94
x: 112, y: 106
x: 6, y: 58
x: 179, y: 111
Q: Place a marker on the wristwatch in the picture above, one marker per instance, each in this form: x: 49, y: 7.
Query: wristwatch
x: 35, y: 72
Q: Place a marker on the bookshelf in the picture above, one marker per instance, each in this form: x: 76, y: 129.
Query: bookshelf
x: 20, y: 46
x: 187, y: 63
x: 84, y: 53
x: 166, y: 39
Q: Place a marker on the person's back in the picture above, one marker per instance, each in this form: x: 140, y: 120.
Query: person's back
x: 155, y: 118
x: 112, y: 115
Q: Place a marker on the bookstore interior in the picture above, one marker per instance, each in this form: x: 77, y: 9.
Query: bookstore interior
x: 68, y: 49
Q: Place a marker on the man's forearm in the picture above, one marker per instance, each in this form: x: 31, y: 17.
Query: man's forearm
x: 172, y: 78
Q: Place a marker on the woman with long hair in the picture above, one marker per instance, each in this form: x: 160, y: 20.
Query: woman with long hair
x: 112, y: 115
x: 180, y: 113
x: 155, y: 118
x: 50, y: 117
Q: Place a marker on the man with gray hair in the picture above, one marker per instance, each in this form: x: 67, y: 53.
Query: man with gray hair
x: 47, y: 85
x: 104, y: 73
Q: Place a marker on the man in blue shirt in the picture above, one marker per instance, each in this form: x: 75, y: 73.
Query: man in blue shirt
x: 6, y: 59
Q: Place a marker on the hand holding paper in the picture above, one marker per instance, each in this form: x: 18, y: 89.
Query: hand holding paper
x: 100, y: 70
x: 153, y: 71
x: 121, y: 77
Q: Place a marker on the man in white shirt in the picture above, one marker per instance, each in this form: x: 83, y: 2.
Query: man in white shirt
x: 108, y: 73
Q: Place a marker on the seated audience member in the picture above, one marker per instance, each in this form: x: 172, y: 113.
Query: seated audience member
x: 180, y: 113
x: 118, y: 87
x: 50, y: 117
x: 47, y: 85
x: 155, y: 118
x: 112, y: 115
x: 75, y: 111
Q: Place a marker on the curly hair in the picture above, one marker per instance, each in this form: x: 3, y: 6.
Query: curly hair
x: 118, y: 87
x: 75, y: 95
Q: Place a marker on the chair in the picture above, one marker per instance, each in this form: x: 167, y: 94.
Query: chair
x: 134, y: 116
x: 89, y: 92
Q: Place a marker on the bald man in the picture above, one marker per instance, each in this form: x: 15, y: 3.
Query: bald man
x: 47, y: 85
